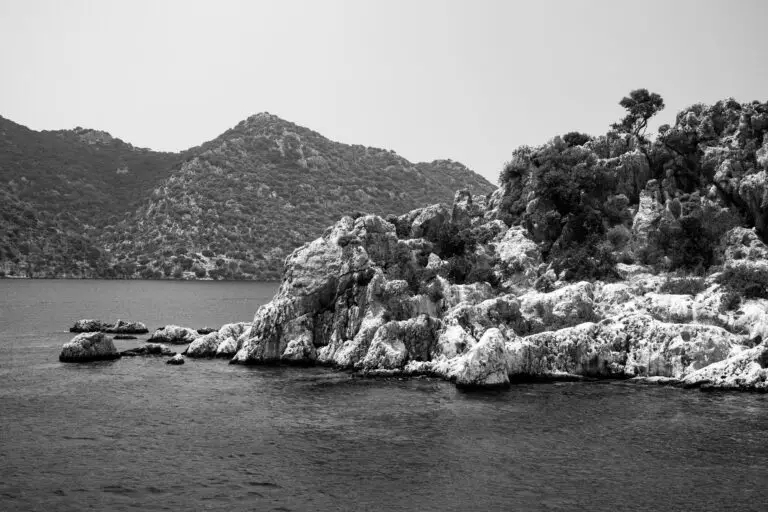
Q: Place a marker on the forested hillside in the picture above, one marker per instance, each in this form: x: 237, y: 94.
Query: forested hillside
x: 80, y: 203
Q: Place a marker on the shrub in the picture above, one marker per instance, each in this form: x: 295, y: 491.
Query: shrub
x: 750, y: 282
x: 590, y: 260
x: 576, y: 139
x: 683, y: 286
x: 731, y: 301
x: 618, y: 236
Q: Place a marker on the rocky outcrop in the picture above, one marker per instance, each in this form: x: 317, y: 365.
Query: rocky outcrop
x: 127, y: 327
x: 89, y: 325
x: 485, y: 364
x: 85, y: 347
x: 174, y: 335
x: 746, y: 370
x: 149, y: 349
x: 119, y: 327
x: 221, y: 343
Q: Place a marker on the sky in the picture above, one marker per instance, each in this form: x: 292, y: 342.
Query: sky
x: 465, y: 80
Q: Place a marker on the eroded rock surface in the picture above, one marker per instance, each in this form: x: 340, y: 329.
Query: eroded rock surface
x: 174, y: 335
x: 90, y: 346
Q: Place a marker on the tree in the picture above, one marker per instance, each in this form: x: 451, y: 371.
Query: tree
x: 641, y: 105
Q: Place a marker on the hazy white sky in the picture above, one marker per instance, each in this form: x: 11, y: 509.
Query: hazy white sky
x: 467, y: 80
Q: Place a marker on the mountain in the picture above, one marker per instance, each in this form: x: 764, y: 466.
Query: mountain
x: 81, y: 203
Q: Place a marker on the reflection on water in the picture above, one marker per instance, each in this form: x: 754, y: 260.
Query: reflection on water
x: 138, y: 434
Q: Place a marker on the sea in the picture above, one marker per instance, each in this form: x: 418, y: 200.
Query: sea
x: 137, y: 434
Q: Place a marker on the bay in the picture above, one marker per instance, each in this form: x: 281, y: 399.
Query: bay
x: 136, y: 434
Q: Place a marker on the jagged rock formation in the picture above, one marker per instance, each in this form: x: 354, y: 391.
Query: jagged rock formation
x: 222, y: 343
x: 86, y: 347
x: 525, y: 283
x: 81, y: 203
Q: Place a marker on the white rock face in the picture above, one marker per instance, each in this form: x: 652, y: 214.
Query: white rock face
x: 517, y: 252
x: 227, y: 348
x: 88, y: 346
x: 362, y: 298
x: 485, y: 364
x: 387, y: 351
x: 569, y: 305
x: 221, y: 343
x: 174, y: 334
x: 747, y: 369
x: 204, y: 346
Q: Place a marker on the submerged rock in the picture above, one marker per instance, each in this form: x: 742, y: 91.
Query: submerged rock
x: 149, y: 349
x: 173, y: 334
x: 86, y: 347
x: 176, y: 360
x: 124, y: 337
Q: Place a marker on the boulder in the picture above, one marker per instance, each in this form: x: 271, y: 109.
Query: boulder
x: 149, y: 349
x: 92, y: 346
x: 127, y: 327
x: 88, y: 325
x: 204, y: 346
x: 124, y: 337
x: 227, y: 348
x: 206, y: 330
x: 431, y: 223
x: 174, y: 335
x: 176, y: 360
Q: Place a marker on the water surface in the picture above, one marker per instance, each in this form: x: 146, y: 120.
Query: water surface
x: 136, y: 434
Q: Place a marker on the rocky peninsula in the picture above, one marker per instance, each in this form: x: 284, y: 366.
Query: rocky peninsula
x: 597, y: 257
x: 609, y: 257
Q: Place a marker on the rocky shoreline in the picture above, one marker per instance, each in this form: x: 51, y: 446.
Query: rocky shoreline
x: 597, y: 258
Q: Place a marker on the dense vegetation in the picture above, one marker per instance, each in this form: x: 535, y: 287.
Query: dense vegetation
x: 81, y: 203
x: 667, y: 201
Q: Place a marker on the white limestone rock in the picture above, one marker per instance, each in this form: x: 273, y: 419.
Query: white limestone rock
x: 747, y: 369
x: 204, y: 346
x: 174, y: 335
x: 485, y: 364
x: 88, y: 346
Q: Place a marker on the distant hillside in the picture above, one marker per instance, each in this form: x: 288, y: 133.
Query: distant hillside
x: 82, y: 203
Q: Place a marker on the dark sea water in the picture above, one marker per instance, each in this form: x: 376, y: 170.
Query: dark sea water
x: 136, y: 434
